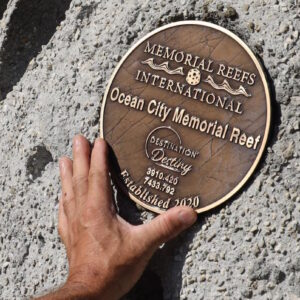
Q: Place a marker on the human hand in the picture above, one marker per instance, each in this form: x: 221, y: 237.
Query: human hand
x: 106, y: 254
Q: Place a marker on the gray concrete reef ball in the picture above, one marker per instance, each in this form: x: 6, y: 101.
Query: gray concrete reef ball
x: 56, y: 61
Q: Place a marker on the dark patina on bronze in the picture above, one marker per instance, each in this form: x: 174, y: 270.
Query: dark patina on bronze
x: 187, y: 115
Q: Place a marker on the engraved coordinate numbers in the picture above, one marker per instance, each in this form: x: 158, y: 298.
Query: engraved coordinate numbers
x: 156, y: 184
x: 153, y: 199
x: 161, y: 181
x: 162, y: 176
x: 187, y: 121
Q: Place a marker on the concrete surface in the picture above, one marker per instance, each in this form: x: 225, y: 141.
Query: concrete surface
x: 53, y: 73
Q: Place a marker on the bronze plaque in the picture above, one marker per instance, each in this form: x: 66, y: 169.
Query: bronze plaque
x: 187, y: 115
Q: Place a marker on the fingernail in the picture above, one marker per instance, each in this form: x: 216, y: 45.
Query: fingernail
x: 187, y: 217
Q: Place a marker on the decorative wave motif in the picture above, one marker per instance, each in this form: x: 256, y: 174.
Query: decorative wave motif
x: 163, y: 67
x: 226, y: 86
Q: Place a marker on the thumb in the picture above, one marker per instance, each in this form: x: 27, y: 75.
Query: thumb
x: 166, y: 226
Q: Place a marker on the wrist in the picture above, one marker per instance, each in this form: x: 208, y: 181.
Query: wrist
x: 76, y: 290
x: 82, y: 280
x: 87, y: 280
x: 95, y: 285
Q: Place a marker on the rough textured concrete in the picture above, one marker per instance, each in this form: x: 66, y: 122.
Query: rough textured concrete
x: 30, y: 26
x: 248, y: 248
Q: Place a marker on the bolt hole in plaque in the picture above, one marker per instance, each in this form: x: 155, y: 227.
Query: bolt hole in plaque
x: 187, y: 116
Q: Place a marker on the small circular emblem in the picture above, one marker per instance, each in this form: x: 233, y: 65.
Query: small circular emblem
x: 187, y: 116
x: 193, y: 77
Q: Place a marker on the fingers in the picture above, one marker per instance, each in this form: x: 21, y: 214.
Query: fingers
x: 100, y: 193
x: 81, y: 165
x: 66, y: 175
x: 166, y: 226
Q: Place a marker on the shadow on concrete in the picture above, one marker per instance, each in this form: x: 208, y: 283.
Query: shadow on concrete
x: 149, y: 287
x: 169, y: 261
x: 32, y: 25
x: 3, y: 5
x: 275, y: 106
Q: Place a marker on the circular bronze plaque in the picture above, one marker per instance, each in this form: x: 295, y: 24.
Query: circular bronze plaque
x: 187, y: 115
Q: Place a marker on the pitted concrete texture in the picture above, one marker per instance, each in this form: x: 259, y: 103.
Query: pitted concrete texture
x: 57, y: 69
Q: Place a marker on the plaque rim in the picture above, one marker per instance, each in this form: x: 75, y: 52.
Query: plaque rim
x: 261, y: 72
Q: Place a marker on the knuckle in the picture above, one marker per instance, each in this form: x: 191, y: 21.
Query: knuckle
x: 69, y: 198
x: 166, y: 227
x: 94, y: 175
x: 79, y: 183
x: 78, y: 180
x: 67, y: 204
